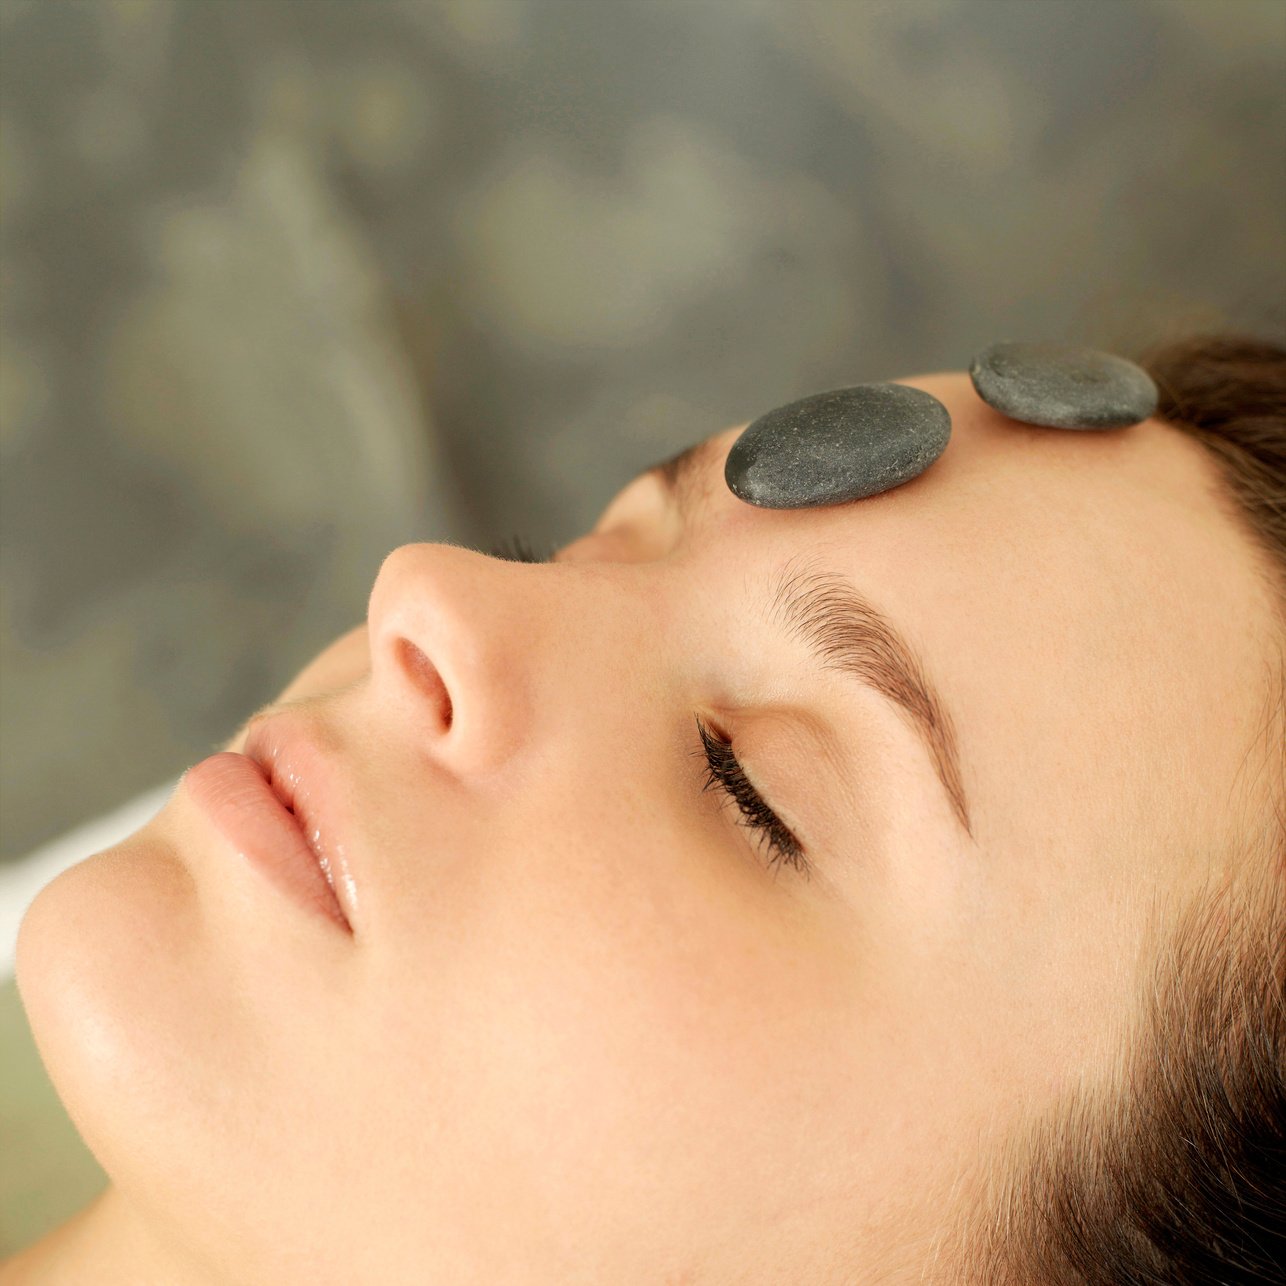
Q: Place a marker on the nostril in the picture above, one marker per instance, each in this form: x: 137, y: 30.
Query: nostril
x: 426, y: 677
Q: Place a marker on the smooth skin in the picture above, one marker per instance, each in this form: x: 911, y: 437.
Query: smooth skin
x: 582, y: 1032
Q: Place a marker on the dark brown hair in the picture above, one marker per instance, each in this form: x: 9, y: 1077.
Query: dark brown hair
x: 1174, y: 1175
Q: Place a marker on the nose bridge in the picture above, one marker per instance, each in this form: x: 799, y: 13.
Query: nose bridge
x: 464, y: 645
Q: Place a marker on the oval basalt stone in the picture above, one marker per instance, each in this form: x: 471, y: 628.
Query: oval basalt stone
x: 1061, y: 386
x: 839, y: 445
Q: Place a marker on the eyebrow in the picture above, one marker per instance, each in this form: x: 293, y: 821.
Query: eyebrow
x: 843, y: 629
x: 685, y: 476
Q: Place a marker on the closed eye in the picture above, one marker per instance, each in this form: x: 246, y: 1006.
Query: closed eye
x: 724, y: 770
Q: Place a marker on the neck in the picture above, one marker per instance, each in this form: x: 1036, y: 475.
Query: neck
x: 106, y: 1243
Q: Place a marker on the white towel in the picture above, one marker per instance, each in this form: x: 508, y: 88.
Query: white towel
x: 20, y: 881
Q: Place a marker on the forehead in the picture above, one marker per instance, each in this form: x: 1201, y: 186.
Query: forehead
x: 1082, y: 599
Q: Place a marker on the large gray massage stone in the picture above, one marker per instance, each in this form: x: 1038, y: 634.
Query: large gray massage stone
x: 1062, y: 386
x: 839, y: 445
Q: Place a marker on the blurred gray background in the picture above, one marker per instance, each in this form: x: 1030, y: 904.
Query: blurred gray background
x: 285, y: 283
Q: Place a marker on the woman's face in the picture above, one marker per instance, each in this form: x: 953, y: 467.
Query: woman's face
x: 584, y: 1028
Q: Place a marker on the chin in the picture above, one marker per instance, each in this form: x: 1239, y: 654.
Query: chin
x: 98, y: 953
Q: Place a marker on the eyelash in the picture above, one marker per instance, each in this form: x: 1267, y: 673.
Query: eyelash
x: 517, y: 549
x: 724, y: 771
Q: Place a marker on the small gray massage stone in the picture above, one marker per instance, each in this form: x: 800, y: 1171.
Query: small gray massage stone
x: 1061, y: 386
x: 835, y: 446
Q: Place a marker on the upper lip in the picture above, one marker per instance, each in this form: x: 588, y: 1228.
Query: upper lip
x: 304, y: 779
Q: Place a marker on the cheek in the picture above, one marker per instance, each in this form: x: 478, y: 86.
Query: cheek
x: 598, y: 1022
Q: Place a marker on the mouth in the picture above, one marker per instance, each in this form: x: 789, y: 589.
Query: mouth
x: 303, y: 781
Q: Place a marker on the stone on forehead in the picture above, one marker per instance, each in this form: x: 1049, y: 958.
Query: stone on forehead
x: 839, y: 445
x: 1061, y: 386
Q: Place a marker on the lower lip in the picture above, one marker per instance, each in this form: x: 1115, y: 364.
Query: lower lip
x: 234, y: 794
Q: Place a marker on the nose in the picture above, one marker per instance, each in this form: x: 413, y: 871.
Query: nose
x: 452, y: 638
